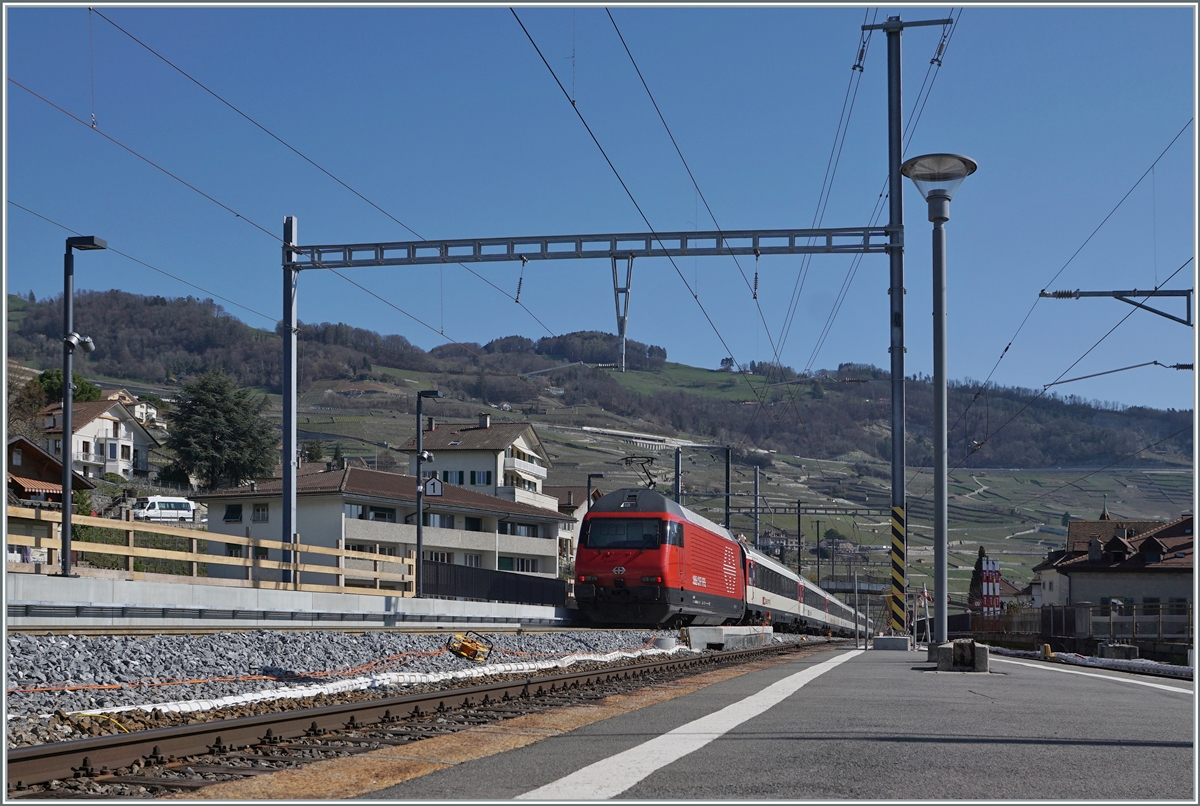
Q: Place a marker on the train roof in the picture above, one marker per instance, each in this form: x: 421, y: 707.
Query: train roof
x: 633, y: 499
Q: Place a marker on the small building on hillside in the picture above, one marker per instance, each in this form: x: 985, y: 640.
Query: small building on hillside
x: 501, y: 459
x: 374, y: 511
x: 106, y: 439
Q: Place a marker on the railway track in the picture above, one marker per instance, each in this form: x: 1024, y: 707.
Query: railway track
x: 151, y: 763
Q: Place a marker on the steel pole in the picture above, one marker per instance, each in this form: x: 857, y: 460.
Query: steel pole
x: 678, y: 474
x: 896, y: 291
x: 799, y: 541
x: 68, y: 457
x: 939, y: 213
x: 291, y: 280
x: 756, y: 506
x: 420, y: 565
x: 728, y: 470
x: 856, y: 610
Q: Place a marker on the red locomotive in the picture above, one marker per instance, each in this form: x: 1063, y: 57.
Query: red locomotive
x: 644, y: 559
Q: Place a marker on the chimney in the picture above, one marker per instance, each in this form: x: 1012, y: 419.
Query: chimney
x: 485, y: 420
x: 1094, y: 550
x: 570, y: 498
x: 432, y: 424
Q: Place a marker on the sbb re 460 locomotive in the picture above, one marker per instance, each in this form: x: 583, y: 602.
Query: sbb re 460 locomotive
x: 643, y: 560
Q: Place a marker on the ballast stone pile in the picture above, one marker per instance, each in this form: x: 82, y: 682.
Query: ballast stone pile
x: 53, y: 661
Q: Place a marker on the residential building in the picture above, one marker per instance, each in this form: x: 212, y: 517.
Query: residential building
x: 34, y: 480
x: 106, y: 439
x: 34, y: 476
x: 506, y: 460
x: 374, y: 511
x: 144, y: 413
x: 1052, y: 587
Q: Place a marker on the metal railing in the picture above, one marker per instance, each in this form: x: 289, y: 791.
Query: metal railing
x: 1166, y: 621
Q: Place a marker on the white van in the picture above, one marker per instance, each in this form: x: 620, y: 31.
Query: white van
x: 164, y: 508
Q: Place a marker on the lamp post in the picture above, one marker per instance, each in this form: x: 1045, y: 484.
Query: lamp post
x: 71, y: 340
x: 422, y: 456
x: 589, y: 492
x: 937, y: 177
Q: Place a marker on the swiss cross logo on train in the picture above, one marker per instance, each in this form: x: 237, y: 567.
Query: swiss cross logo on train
x: 620, y: 569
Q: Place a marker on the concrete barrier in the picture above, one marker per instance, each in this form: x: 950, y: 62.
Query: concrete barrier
x: 963, y: 655
x: 1117, y: 651
x: 728, y: 637
x: 903, y: 642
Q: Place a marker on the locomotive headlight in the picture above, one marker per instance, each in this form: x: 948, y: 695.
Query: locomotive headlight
x: 587, y: 578
x: 657, y: 579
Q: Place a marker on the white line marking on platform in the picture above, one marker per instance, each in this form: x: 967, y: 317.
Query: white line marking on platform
x: 612, y: 776
x: 1091, y: 674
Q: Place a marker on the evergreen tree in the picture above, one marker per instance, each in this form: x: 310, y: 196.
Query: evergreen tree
x: 51, y: 381
x: 975, y: 591
x: 313, y: 451
x: 1066, y: 520
x: 218, y: 433
x: 337, y: 452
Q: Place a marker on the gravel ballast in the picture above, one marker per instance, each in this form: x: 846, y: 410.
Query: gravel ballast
x: 168, y: 668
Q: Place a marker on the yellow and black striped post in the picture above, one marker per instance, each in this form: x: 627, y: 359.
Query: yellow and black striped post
x: 896, y: 619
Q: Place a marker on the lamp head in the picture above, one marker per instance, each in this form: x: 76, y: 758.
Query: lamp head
x: 425, y: 456
x: 86, y: 242
x: 938, y: 174
x: 84, y: 343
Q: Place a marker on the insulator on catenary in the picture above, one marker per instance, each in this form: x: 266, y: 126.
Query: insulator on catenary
x: 517, y: 299
x: 1061, y: 294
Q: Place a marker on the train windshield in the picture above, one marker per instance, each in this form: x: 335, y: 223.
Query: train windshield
x: 621, y: 533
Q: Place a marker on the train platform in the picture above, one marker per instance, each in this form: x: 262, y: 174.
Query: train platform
x: 841, y: 724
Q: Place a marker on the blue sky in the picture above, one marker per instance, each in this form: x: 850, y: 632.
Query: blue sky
x: 449, y: 121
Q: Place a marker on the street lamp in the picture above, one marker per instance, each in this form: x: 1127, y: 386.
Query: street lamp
x: 422, y: 456
x: 937, y: 177
x: 589, y: 492
x: 71, y: 340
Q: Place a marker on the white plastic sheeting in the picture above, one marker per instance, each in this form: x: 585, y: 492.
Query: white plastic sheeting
x: 386, y: 679
x: 1140, y: 665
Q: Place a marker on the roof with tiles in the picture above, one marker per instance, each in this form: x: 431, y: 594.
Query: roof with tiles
x: 1080, y: 533
x: 570, y: 498
x: 393, y: 487
x: 1168, y: 548
x: 82, y: 413
x: 473, y: 437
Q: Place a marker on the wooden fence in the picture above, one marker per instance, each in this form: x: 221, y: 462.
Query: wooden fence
x: 180, y: 550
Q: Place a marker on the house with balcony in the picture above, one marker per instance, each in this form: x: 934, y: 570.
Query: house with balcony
x: 106, y: 439
x: 1052, y: 586
x: 144, y: 413
x: 506, y: 460
x: 373, y: 511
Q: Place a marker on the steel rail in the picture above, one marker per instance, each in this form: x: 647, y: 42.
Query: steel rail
x: 39, y: 764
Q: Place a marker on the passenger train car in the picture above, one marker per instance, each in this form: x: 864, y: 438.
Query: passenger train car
x: 644, y: 560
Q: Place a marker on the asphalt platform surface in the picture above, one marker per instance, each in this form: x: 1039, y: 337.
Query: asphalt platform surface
x: 876, y: 725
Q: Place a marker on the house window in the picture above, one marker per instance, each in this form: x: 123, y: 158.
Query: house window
x: 473, y: 560
x: 58, y: 446
x: 116, y: 431
x: 366, y: 548
x: 440, y: 521
x: 233, y: 550
x: 504, y: 563
x: 473, y: 524
x: 353, y: 512
x: 233, y: 514
x: 260, y: 553
x: 126, y: 452
x: 453, y: 477
x: 1051, y: 586
x: 16, y: 458
x: 112, y: 450
x: 86, y: 448
x: 261, y: 513
x: 481, y: 477
x: 1177, y: 607
x: 528, y: 565
x: 440, y: 556
x: 518, y: 529
x: 385, y: 514
x: 1150, y: 605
